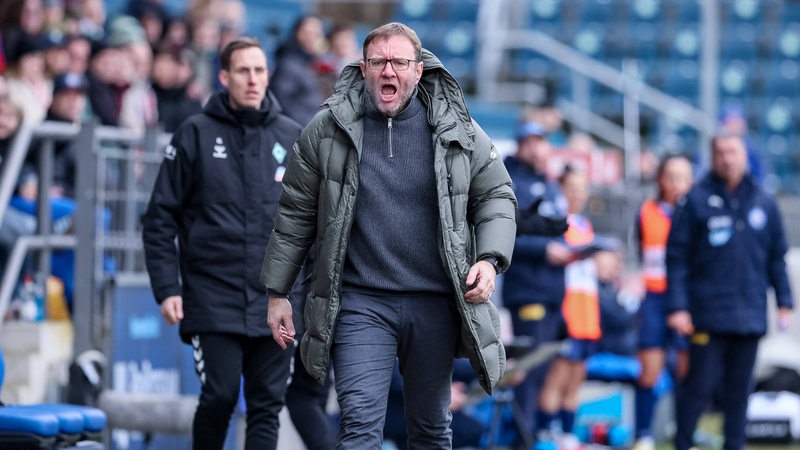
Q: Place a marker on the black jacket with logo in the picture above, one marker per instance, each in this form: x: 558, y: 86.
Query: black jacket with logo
x: 217, y: 191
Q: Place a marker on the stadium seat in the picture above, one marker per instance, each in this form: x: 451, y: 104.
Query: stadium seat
x: 551, y: 17
x: 462, y: 10
x: 591, y: 11
x: 782, y: 79
x: 686, y: 42
x: 683, y: 11
x: 681, y: 80
x: 742, y: 11
x: 589, y: 40
x: 49, y: 426
x: 734, y: 79
x: 789, y: 41
x: 739, y: 41
x: 779, y: 116
x: 413, y: 10
x: 645, y: 10
x: 528, y: 64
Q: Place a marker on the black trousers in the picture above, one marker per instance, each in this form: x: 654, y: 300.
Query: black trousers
x: 306, y: 401
x: 721, y: 362
x: 220, y: 361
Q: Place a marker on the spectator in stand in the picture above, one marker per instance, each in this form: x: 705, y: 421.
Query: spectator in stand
x: 56, y: 52
x: 54, y: 15
x: 138, y: 106
x: 343, y: 48
x: 726, y: 247
x: 581, y: 142
x: 170, y: 84
x: 20, y: 20
x: 31, y: 16
x: 79, y: 49
x: 106, y: 67
x: 205, y: 41
x: 10, y: 120
x: 69, y: 105
x: 558, y: 400
x: 176, y: 35
x: 674, y: 178
x: 533, y: 287
x: 549, y: 117
x: 152, y: 17
x: 14, y: 223
x: 294, y: 81
x: 91, y: 17
x: 28, y: 84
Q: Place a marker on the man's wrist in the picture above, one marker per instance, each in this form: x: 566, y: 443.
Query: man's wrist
x: 493, y: 261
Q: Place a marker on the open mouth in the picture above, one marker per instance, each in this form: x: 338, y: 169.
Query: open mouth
x: 388, y: 92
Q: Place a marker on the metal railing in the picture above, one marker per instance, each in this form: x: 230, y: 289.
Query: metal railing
x: 115, y: 170
x: 501, y: 30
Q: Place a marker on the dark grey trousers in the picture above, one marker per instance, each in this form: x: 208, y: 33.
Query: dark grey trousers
x: 371, y: 330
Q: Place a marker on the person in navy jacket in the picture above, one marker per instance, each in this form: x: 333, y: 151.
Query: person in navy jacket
x: 533, y: 288
x: 725, y: 248
x: 217, y: 192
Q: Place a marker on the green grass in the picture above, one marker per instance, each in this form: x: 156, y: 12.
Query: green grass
x: 712, y: 425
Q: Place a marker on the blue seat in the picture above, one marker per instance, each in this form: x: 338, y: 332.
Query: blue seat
x: 461, y: 10
x: 743, y: 11
x: 782, y: 79
x: 739, y: 41
x: 590, y: 39
x: 46, y: 426
x: 735, y: 79
x: 546, y: 12
x: 681, y: 80
x: 683, y: 11
x: 93, y: 419
x: 592, y: 11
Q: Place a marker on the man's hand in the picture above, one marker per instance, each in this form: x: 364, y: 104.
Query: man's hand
x: 529, y: 221
x: 458, y: 395
x: 172, y: 309
x: 279, y: 319
x: 557, y: 254
x: 784, y: 318
x: 480, y: 282
x: 681, y: 322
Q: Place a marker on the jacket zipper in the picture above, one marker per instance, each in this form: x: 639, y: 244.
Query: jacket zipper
x: 389, y: 124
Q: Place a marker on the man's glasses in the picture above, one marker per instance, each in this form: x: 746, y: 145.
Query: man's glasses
x: 398, y: 64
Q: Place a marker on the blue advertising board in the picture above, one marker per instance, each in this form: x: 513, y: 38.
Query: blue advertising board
x: 148, y: 357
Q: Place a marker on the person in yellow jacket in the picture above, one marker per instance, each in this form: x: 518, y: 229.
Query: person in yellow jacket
x: 674, y: 178
x: 580, y: 309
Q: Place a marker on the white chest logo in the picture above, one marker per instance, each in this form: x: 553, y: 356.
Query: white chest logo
x: 219, y: 149
x: 170, y: 152
x: 715, y: 201
x: 757, y: 218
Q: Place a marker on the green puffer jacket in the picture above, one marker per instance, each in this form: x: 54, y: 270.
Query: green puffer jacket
x: 477, y: 209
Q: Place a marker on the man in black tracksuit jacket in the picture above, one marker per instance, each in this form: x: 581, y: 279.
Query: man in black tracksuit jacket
x: 726, y: 247
x: 217, y: 191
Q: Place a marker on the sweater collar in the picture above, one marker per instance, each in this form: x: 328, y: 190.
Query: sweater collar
x: 413, y: 108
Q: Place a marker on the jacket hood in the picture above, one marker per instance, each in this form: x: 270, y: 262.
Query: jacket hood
x: 219, y: 108
x: 438, y: 90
